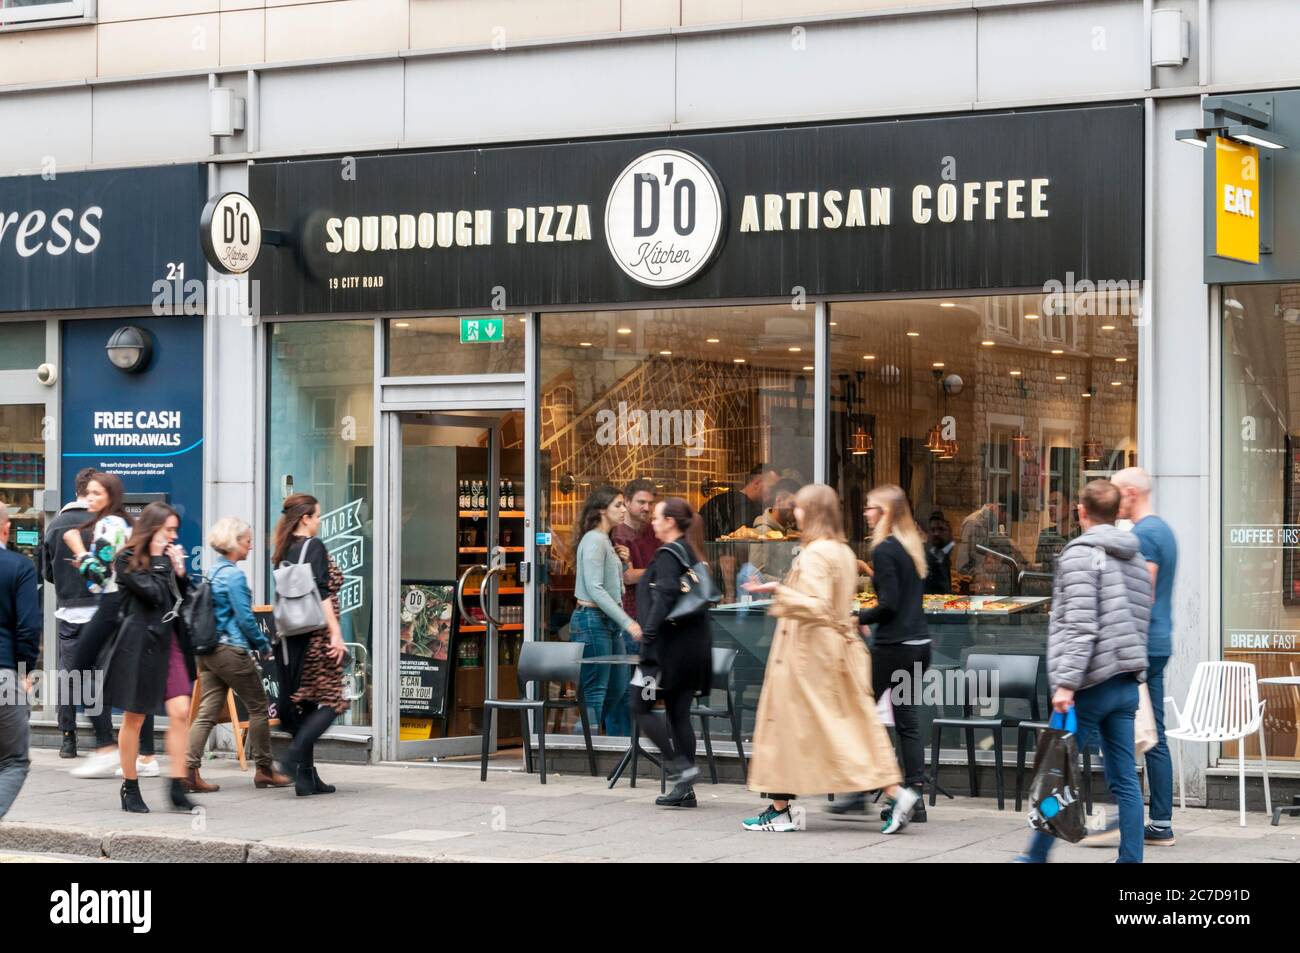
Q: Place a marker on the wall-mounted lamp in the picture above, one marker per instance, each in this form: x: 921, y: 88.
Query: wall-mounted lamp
x: 130, y: 349
x: 1233, y: 119
x: 1171, y: 38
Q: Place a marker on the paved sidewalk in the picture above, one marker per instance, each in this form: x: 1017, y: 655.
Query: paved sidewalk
x: 442, y: 812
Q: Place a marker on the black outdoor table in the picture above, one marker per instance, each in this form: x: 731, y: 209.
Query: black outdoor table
x: 1280, y: 809
x: 635, y: 746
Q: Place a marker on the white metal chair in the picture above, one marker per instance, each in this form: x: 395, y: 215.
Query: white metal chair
x: 1222, y: 704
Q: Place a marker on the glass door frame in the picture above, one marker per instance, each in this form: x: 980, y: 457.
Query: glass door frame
x: 489, y: 396
x: 20, y: 387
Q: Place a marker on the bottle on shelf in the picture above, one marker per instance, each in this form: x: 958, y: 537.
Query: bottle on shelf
x: 462, y: 495
x: 510, y: 494
x: 477, y: 493
x: 501, y: 495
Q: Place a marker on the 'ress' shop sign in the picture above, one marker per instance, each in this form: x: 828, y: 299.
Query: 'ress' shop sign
x: 966, y: 202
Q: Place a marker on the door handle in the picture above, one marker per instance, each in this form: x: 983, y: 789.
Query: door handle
x: 460, y: 589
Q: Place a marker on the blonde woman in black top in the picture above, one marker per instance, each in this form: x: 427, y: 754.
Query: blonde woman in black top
x: 901, y: 639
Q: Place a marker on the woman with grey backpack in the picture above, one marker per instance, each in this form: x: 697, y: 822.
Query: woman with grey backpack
x: 313, y: 669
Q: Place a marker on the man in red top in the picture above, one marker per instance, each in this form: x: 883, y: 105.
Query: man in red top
x: 634, y: 538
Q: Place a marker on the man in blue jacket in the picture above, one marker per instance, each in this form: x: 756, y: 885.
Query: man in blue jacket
x: 20, y: 644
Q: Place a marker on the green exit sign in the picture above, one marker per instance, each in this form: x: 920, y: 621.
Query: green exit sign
x: 482, y: 330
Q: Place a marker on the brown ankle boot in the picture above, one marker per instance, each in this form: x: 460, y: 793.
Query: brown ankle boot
x: 270, y: 778
x: 196, y: 785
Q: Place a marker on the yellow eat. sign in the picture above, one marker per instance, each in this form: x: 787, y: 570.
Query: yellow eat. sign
x: 1236, y: 201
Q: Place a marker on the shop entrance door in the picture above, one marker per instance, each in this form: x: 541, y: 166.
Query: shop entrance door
x: 457, y: 577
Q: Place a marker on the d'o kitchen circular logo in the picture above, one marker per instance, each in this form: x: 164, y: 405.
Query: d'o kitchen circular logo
x: 665, y: 217
x: 232, y: 233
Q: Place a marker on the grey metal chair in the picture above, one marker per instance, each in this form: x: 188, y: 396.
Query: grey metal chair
x: 724, y: 661
x: 540, y: 663
x: 1017, y: 678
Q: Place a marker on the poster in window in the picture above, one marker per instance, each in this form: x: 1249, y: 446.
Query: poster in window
x: 426, y: 616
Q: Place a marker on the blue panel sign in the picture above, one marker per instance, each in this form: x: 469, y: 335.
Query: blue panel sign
x: 145, y: 428
x: 98, y: 239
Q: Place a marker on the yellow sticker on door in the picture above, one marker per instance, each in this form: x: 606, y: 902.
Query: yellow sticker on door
x: 1237, y: 201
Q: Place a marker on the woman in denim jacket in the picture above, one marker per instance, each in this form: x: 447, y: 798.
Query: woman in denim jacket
x: 230, y: 666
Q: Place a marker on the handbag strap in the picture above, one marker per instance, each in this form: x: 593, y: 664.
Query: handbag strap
x: 175, y: 610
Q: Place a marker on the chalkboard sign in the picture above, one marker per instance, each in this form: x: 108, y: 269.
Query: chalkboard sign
x: 271, y: 673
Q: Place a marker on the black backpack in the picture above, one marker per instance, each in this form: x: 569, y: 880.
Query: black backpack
x: 200, y: 618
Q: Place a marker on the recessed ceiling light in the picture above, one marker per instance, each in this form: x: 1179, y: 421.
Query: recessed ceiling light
x: 1015, y: 373
x: 913, y: 334
x: 988, y: 343
x: 584, y: 344
x: 737, y: 360
x: 1108, y: 327
x: 1085, y: 394
x: 624, y: 330
x: 809, y: 368
x: 665, y: 353
x: 523, y: 320
x: 1116, y: 383
x: 1061, y: 377
x: 937, y: 364
x: 868, y: 357
x: 794, y: 350
x: 835, y: 324
x: 1121, y: 360
x: 401, y: 324
x: 1057, y: 350
x: 712, y: 340
x: 947, y: 304
x: 1031, y: 317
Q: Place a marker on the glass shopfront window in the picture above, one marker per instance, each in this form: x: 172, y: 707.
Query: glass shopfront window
x: 438, y: 347
x: 991, y: 413
x: 24, y: 345
x: 715, y: 405
x: 320, y: 440
x: 1261, y: 501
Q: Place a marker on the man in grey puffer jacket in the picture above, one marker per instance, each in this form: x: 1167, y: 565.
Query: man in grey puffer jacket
x: 1097, y: 651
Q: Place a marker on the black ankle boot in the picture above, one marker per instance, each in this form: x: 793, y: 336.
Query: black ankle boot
x: 855, y: 803
x: 320, y: 786
x: 304, y: 785
x: 69, y: 748
x: 132, y: 802
x: 682, y: 795
x: 180, y: 801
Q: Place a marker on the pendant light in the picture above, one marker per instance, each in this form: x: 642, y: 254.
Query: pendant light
x: 862, y: 443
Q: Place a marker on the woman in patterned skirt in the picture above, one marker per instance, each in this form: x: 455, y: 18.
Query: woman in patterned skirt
x: 313, y: 672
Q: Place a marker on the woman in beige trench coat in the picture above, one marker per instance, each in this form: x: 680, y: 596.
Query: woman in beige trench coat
x: 817, y: 729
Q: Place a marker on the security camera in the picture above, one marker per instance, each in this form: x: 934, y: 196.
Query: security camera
x: 47, y: 374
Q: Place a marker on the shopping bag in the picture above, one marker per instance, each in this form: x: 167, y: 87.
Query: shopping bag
x: 1144, y: 729
x: 885, y: 710
x: 1055, y: 806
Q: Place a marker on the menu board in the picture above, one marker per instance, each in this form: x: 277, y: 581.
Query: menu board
x: 424, y: 664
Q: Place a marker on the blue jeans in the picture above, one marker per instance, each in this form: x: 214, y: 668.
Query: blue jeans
x: 1109, y: 710
x: 598, y: 635
x: 14, y: 735
x: 1160, y: 767
x: 618, y: 716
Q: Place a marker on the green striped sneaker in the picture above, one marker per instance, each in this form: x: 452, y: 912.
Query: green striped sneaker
x: 771, y: 820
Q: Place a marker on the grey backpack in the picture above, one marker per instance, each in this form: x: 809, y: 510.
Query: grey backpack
x: 298, y: 608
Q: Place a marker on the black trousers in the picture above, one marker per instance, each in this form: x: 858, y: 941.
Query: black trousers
x: 103, y: 722
x: 673, y: 735
x: 886, y: 662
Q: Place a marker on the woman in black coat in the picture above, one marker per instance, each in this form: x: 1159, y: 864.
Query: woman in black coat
x: 676, y: 656
x: 151, y: 664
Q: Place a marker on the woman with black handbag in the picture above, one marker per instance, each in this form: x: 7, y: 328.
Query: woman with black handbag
x: 150, y: 663
x: 676, y: 648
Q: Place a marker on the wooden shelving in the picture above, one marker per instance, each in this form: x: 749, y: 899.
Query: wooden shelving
x: 508, y: 627
x: 504, y: 514
x: 483, y: 549
x: 509, y: 591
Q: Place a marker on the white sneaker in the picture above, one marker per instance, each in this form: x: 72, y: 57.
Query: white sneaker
x: 900, y: 811
x: 143, y: 769
x: 98, y: 766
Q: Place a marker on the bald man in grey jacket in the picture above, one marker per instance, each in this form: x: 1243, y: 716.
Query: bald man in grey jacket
x: 1097, y: 651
